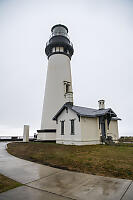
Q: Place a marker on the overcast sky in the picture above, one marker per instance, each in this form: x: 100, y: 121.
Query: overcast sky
x: 102, y: 64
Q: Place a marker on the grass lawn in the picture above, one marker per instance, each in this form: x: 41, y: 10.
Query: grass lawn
x: 7, y: 183
x: 106, y: 160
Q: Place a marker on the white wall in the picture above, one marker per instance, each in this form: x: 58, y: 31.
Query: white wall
x: 113, y: 130
x: 59, y: 70
x: 46, y: 136
x: 89, y: 129
x: 67, y: 138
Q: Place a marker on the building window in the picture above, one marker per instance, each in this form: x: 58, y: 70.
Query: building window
x: 72, y: 127
x: 62, y: 127
x: 99, y: 122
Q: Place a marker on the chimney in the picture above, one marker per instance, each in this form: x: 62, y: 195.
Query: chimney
x: 101, y: 104
x: 69, y: 98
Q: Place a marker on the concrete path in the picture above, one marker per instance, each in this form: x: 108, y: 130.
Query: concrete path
x: 43, y: 182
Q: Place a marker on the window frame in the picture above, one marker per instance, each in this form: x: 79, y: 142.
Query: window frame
x: 62, y: 127
x: 72, y: 127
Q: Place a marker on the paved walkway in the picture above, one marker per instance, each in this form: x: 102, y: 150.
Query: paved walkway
x: 46, y: 183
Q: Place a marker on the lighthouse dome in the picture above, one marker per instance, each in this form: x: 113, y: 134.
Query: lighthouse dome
x: 59, y: 29
x: 59, y: 42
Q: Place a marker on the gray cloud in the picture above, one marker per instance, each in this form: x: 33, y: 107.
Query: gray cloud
x: 101, y: 32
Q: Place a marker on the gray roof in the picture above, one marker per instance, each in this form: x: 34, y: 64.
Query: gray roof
x: 83, y: 111
x: 86, y: 112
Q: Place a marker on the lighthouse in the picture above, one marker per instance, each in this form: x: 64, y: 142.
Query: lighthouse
x: 58, y: 87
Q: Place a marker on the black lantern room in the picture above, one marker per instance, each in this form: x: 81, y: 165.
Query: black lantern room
x: 59, y: 42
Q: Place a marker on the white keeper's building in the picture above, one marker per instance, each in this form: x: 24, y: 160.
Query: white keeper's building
x: 62, y: 121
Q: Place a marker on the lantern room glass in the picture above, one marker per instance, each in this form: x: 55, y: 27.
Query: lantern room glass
x: 59, y: 30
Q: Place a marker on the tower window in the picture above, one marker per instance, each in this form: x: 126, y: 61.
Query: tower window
x: 61, y: 49
x: 53, y: 50
x: 57, y: 49
x: 67, y: 88
x: 72, y: 127
x: 62, y: 127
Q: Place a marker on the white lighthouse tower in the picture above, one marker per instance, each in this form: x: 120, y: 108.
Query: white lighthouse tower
x: 58, y: 89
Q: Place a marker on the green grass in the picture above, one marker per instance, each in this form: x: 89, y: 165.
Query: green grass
x: 106, y: 160
x: 7, y: 183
